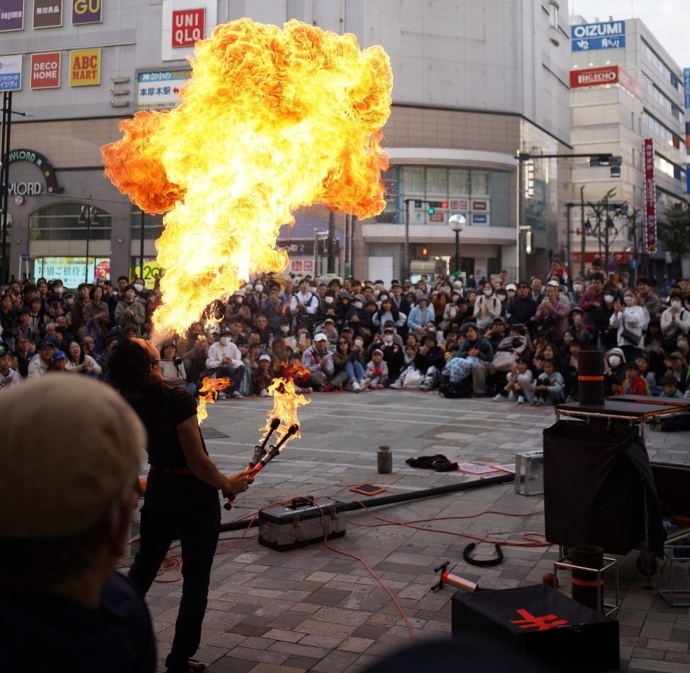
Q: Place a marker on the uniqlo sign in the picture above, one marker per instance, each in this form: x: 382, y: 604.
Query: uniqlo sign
x: 45, y: 70
x: 187, y: 27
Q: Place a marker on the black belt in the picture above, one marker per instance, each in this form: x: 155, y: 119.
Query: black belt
x: 167, y: 469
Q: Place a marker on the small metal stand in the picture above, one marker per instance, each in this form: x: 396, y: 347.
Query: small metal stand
x: 529, y: 473
x: 604, y: 608
x: 671, y: 594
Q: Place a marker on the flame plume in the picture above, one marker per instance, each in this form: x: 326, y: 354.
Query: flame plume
x: 286, y: 401
x: 270, y: 121
x: 209, y: 393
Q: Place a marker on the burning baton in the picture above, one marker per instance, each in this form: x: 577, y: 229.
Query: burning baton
x: 269, y: 122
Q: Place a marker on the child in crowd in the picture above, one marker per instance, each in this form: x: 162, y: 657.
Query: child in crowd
x: 519, y: 385
x: 377, y: 370
x: 671, y: 389
x: 633, y: 383
x: 262, y: 376
x: 648, y: 375
x: 548, y: 388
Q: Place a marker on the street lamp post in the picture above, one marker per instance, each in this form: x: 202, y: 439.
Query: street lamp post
x: 88, y: 217
x: 457, y: 223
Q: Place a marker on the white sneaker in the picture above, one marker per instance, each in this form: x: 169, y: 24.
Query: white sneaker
x: 511, y: 396
x: 498, y: 398
x: 365, y: 383
x: 237, y: 394
x: 356, y: 387
x: 264, y: 393
x: 396, y: 386
x: 521, y: 399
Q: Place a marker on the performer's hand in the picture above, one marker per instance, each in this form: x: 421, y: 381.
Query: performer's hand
x: 238, y: 483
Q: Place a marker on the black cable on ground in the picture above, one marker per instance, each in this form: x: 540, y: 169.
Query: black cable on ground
x: 239, y: 524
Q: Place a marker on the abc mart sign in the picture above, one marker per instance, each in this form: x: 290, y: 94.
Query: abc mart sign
x: 609, y: 74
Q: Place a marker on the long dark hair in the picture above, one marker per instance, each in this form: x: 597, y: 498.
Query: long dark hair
x: 394, y: 310
x: 128, y: 366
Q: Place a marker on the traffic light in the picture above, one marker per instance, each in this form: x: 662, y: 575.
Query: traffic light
x: 423, y: 252
x: 435, y: 204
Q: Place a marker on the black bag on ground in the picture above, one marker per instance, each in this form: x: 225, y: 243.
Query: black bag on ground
x: 451, y: 390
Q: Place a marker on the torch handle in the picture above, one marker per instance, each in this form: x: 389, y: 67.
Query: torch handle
x: 231, y: 498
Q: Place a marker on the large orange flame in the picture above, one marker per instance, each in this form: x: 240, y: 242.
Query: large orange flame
x: 270, y: 121
x: 209, y: 393
x: 286, y: 401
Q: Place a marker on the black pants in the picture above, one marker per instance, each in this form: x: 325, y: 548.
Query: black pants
x: 183, y: 505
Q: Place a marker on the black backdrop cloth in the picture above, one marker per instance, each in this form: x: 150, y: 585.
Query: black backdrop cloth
x: 597, y: 477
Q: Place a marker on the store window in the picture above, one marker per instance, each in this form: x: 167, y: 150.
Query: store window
x: 482, y: 196
x: 61, y: 222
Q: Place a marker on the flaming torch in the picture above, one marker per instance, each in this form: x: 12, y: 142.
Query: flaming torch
x: 270, y: 121
x: 282, y: 419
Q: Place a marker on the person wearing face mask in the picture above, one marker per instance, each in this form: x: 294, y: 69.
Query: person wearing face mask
x: 614, y: 371
x: 129, y: 312
x: 629, y: 321
x: 578, y: 291
x: 487, y: 307
x: 675, y: 320
x: 225, y: 359
x: 359, y: 319
x: 326, y: 309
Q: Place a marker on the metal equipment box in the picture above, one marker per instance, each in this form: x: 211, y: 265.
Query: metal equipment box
x: 302, y: 522
x: 529, y: 473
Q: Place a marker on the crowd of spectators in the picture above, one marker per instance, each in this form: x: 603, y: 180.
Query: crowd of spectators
x: 513, y: 341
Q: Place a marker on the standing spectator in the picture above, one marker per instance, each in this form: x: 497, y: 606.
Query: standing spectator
x: 303, y: 306
x: 77, y: 318
x: 675, y: 320
x: 537, y: 289
x: 593, y: 297
x: 23, y: 353
x: 487, y: 307
x: 645, y: 290
x: 629, y: 320
x: 8, y: 376
x: 59, y: 551
x: 522, y: 308
x: 96, y: 319
x: 129, y: 312
x: 551, y: 316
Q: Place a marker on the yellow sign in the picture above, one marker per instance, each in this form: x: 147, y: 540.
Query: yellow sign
x: 85, y: 67
x: 152, y: 271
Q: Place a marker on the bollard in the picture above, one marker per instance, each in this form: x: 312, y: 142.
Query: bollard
x: 384, y: 459
x: 590, y: 377
x: 587, y: 586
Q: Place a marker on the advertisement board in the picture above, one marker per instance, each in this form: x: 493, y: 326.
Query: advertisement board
x: 47, y: 13
x: 11, y: 72
x: 86, y: 11
x: 650, y: 239
x: 11, y: 15
x: 160, y: 90
x: 593, y: 36
x: 45, y: 70
x: 85, y: 67
x: 71, y: 270
x: 608, y: 74
x: 188, y: 27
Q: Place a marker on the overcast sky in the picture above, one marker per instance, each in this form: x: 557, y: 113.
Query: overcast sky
x: 668, y: 20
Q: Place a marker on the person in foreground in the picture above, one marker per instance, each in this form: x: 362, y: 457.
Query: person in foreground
x: 66, y: 507
x: 181, y: 493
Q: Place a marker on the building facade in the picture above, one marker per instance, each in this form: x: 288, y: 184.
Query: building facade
x: 474, y: 82
x: 626, y: 100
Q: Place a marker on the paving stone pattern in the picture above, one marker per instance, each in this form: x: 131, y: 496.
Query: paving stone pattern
x: 314, y: 609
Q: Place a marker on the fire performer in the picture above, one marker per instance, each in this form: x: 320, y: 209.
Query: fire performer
x: 181, y: 495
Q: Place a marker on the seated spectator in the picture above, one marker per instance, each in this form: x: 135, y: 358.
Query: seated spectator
x: 59, y: 362
x: 487, y: 308
x: 420, y: 315
x: 678, y: 369
x: 393, y: 353
x: 519, y: 386
x: 430, y: 361
x: 614, y: 371
x: 348, y: 369
x: 225, y: 360
x: 408, y: 368
x: 319, y: 361
x: 377, y: 371
x: 81, y: 363
x: 551, y: 316
x: 576, y: 320
x: 473, y: 350
x: 670, y: 389
x: 648, y: 375
x: 262, y: 376
x: 548, y: 388
x: 633, y: 383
